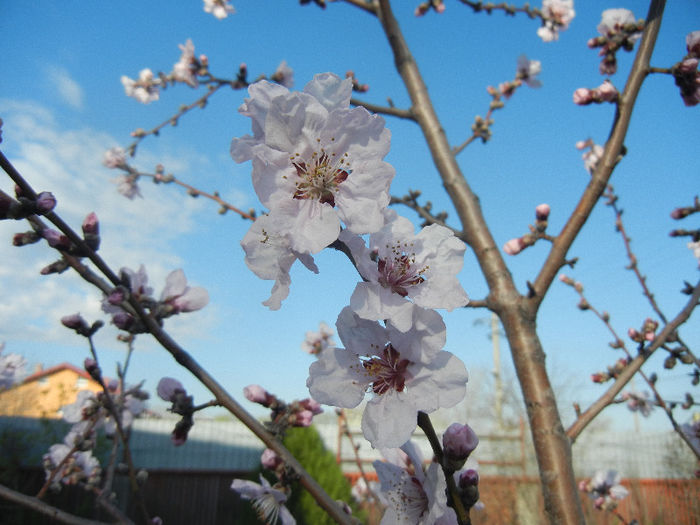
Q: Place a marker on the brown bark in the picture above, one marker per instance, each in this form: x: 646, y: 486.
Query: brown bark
x: 518, y: 313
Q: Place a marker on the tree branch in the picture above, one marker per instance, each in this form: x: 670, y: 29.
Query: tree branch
x: 606, y: 165
x: 384, y: 110
x: 44, y: 508
x: 586, y: 417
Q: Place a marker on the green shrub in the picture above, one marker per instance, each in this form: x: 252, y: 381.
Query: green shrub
x: 306, y: 444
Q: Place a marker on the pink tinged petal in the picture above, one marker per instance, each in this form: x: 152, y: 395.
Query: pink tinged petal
x: 415, y: 456
x: 618, y: 492
x: 279, y: 292
x: 389, y: 420
x: 247, y: 489
x: 256, y: 107
x: 692, y: 42
x: 404, y: 496
x: 374, y: 302
x: 309, y: 225
x: 269, y: 256
x: 193, y: 299
x: 361, y: 337
x: 442, y: 384
x: 330, y: 90
x: 337, y: 379
x: 362, y: 255
x: 175, y: 284
x: 424, y: 340
x: 168, y: 387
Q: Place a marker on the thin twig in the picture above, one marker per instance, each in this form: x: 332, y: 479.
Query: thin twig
x: 612, y: 151
x: 384, y: 110
x: 185, y: 359
x: 427, y: 426
x: 624, y: 377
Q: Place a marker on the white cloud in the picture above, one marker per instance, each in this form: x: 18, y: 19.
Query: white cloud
x: 68, y: 163
x: 69, y: 90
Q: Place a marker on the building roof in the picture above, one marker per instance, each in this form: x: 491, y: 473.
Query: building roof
x: 54, y: 369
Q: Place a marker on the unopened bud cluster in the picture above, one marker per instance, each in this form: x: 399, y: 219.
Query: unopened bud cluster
x: 685, y: 72
x: 61, y: 242
x: 171, y: 390
x: 613, y: 371
x: 618, y: 30
x: 77, y: 323
x: 646, y: 334
x: 606, y: 92
x: 24, y: 206
x: 424, y: 7
x: 298, y: 413
x: 517, y: 245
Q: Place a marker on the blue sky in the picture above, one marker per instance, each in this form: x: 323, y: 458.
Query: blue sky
x: 63, y: 106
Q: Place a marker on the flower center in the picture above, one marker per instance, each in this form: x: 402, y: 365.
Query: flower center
x: 388, y: 371
x: 398, y: 272
x: 319, y: 176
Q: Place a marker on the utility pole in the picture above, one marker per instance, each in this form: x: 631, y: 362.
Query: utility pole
x: 498, y: 383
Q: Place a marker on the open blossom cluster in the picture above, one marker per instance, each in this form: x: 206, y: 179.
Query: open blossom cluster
x: 592, y: 155
x: 618, y: 29
x: 318, y: 168
x: 12, y: 368
x: 604, y: 489
x: 317, y: 342
x: 219, y: 8
x: 413, y: 496
x: 72, y: 461
x: 556, y: 16
x: 527, y: 71
x: 606, y: 92
x: 638, y: 402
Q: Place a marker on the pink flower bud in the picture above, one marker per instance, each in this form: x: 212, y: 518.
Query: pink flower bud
x: 459, y: 441
x: 583, y: 96
x: 468, y: 478
x: 74, y: 322
x: 56, y: 239
x: 692, y: 42
x: 542, y: 212
x: 45, y: 202
x: 270, y: 459
x: 92, y: 368
x: 680, y: 213
x: 310, y: 404
x: 122, y: 320
x: 606, y: 92
x: 514, y: 246
x: 598, y: 377
x: 91, y: 225
x: 302, y: 418
x: 633, y: 334
x: 114, y: 158
x: 257, y: 394
x: 168, y: 388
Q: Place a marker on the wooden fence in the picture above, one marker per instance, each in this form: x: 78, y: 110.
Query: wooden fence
x: 205, y: 497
